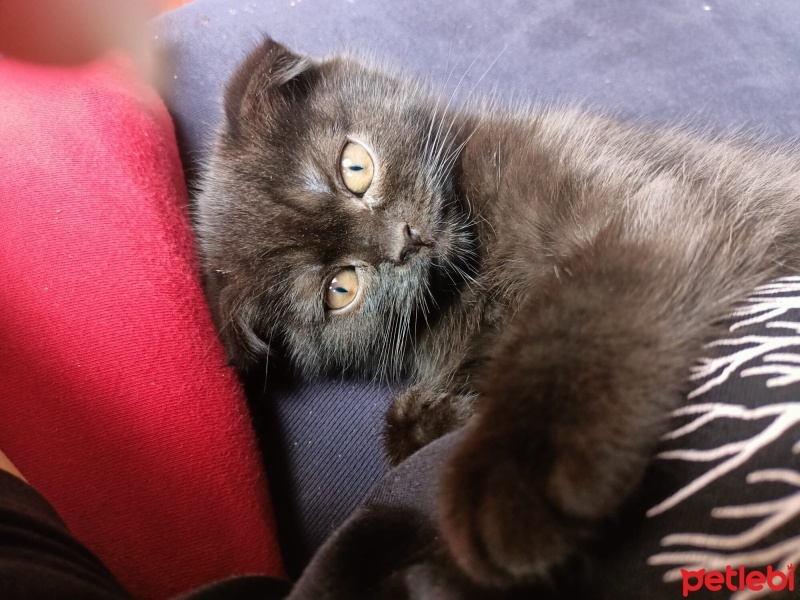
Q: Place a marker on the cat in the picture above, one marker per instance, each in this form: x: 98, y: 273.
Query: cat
x: 543, y: 277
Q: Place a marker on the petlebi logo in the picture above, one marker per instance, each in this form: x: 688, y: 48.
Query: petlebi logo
x: 738, y: 579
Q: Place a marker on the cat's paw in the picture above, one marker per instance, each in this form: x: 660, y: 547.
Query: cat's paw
x: 499, y: 516
x: 420, y: 415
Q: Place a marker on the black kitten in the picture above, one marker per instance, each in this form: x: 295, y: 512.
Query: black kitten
x: 556, y: 271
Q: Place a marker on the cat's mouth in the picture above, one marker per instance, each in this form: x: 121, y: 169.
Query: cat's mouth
x: 421, y: 257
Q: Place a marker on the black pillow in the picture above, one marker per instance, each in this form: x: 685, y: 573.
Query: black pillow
x: 719, y: 510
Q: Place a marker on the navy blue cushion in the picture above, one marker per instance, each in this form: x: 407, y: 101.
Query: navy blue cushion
x: 727, y: 65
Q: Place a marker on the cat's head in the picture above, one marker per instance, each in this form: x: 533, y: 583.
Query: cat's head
x: 327, y: 220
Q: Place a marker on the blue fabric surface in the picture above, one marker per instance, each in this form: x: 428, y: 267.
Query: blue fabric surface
x: 725, y: 65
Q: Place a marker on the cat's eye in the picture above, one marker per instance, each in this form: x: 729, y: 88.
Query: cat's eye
x: 342, y: 289
x: 357, y: 168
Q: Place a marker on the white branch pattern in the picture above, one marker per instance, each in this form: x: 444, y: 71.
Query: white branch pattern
x: 786, y: 416
x: 775, y: 512
x: 782, y: 368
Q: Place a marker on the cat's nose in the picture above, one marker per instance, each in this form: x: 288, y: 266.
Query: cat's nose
x: 412, y: 242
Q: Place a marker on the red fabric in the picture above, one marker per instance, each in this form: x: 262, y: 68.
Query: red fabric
x: 115, y: 402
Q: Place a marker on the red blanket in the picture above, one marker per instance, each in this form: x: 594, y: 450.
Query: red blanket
x: 115, y: 401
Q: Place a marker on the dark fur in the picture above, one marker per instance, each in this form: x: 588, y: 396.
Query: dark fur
x: 580, y: 264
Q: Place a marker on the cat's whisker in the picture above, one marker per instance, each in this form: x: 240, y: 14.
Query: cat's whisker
x: 469, y: 94
x: 408, y: 339
x: 447, y: 271
x: 398, y: 344
x: 404, y: 341
x: 437, y: 141
x: 439, y: 160
x: 486, y: 72
x: 266, y: 362
x: 428, y: 295
x: 394, y: 347
x: 384, y: 357
x: 435, y: 110
x: 448, y: 162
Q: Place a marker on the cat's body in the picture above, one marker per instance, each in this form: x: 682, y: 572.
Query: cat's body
x: 557, y: 272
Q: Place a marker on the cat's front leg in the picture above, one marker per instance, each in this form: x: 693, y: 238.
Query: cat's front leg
x: 421, y: 414
x: 569, y: 410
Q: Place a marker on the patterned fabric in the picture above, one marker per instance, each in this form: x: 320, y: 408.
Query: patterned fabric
x: 737, y: 444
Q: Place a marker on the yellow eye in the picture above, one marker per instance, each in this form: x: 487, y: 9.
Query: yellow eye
x: 342, y: 289
x: 357, y: 168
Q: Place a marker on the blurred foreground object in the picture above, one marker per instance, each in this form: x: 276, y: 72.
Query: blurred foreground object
x: 65, y: 32
x: 7, y: 465
x: 116, y: 403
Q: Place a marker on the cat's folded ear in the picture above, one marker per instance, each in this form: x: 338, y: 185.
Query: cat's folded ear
x: 271, y: 73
